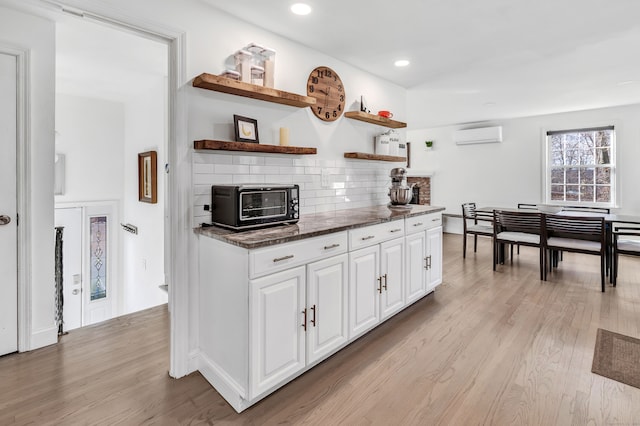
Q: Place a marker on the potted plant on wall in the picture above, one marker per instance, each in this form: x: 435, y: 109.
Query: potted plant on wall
x: 428, y: 145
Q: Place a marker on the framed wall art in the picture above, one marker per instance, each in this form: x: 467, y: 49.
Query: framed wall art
x: 246, y: 129
x: 148, y: 177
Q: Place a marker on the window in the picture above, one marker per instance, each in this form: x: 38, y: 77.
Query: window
x: 580, y: 166
x: 98, y: 256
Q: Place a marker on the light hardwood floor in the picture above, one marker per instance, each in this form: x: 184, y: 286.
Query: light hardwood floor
x: 487, y: 348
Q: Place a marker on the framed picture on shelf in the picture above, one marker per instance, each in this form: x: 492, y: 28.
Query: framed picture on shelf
x: 148, y: 177
x: 246, y: 129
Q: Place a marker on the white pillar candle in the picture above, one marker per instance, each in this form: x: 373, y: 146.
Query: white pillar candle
x: 284, y: 136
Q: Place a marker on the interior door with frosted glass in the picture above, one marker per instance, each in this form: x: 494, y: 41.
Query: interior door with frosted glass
x: 101, y: 261
x: 8, y: 206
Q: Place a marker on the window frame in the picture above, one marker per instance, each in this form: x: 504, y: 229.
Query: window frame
x: 547, y: 165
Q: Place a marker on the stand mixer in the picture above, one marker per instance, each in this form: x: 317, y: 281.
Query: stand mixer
x: 400, y: 193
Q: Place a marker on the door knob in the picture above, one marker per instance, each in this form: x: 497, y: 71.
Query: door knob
x: 75, y: 291
x: 4, y: 219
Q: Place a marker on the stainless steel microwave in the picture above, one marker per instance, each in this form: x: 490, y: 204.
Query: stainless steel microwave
x: 254, y: 206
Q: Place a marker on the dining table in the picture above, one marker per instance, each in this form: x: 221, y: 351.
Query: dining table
x: 610, y: 220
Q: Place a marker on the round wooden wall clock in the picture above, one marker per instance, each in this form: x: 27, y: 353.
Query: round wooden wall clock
x: 325, y: 85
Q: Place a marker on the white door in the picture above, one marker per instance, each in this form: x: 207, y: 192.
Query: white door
x: 392, y: 271
x: 100, y: 246
x: 8, y: 206
x: 327, y: 295
x: 277, y: 328
x: 415, y: 283
x: 364, y: 290
x: 71, y: 220
x: 434, y: 258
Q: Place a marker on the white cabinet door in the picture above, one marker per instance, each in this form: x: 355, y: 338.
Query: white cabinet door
x: 364, y: 301
x: 434, y: 258
x: 276, y: 334
x: 327, y: 298
x: 8, y: 207
x: 416, y: 266
x: 392, y: 272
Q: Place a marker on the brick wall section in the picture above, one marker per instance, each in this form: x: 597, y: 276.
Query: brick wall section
x: 424, y: 183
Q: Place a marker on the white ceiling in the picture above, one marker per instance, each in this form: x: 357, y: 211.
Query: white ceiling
x: 475, y: 60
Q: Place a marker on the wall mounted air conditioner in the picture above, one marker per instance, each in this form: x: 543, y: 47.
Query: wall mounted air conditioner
x: 479, y: 135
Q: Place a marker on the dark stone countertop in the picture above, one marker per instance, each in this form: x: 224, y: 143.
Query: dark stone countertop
x: 313, y: 225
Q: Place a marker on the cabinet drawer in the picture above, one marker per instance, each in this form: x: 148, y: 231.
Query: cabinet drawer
x: 284, y: 256
x: 369, y: 235
x: 423, y: 222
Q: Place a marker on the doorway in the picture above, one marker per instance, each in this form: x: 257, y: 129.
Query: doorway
x: 8, y: 205
x: 111, y: 105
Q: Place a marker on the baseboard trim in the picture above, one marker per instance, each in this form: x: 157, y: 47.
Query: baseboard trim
x: 44, y: 337
x: 193, y: 361
x: 230, y: 390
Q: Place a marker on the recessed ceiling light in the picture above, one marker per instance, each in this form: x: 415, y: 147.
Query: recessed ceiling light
x: 401, y: 63
x: 301, y: 8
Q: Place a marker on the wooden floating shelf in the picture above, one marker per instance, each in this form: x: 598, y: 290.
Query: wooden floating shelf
x: 234, y: 87
x: 252, y: 147
x: 365, y: 156
x: 374, y: 119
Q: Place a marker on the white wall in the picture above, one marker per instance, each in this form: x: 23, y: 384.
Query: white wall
x: 90, y: 133
x: 37, y: 35
x: 511, y: 172
x: 143, y: 254
x: 101, y: 141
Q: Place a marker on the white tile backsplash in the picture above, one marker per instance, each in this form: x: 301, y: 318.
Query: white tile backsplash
x: 352, y: 183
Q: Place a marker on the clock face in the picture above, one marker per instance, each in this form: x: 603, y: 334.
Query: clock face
x: 325, y: 85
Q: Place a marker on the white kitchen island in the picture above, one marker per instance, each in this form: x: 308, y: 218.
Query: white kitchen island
x: 275, y: 302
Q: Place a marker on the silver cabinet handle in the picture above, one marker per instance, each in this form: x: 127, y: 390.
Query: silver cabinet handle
x: 435, y: 220
x: 396, y: 230
x: 4, y: 220
x: 280, y: 259
x: 418, y: 224
x: 368, y: 237
x: 331, y: 246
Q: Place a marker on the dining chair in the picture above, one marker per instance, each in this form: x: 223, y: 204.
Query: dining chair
x: 475, y: 223
x: 517, y: 227
x: 527, y: 206
x: 596, y: 211
x: 575, y: 234
x: 623, y: 245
